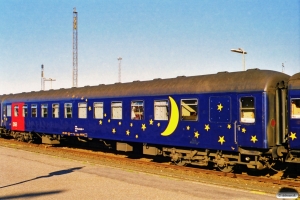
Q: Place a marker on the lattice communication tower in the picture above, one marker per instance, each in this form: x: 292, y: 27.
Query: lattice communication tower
x: 75, y: 48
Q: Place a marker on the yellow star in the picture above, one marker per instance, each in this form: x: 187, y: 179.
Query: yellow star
x: 229, y: 126
x: 90, y: 108
x: 151, y: 122
x: 293, y: 136
x: 221, y: 140
x: 120, y: 123
x: 104, y: 114
x: 131, y: 124
x: 108, y: 120
x: 220, y: 107
x: 127, y: 132
x: 188, y: 128
x: 158, y: 124
x: 136, y: 136
x: 143, y: 127
x: 114, y: 130
x: 196, y: 134
x: 253, y: 139
x: 100, y: 122
x: 244, y: 130
x: 206, y: 127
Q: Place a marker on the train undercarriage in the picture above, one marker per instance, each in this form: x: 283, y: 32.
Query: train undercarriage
x: 224, y: 161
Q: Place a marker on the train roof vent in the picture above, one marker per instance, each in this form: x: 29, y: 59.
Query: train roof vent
x: 181, y: 76
x: 136, y: 81
x: 157, y: 79
x: 32, y: 91
x: 87, y: 86
x: 117, y: 82
x: 101, y: 84
x: 62, y: 88
x: 253, y: 69
x: 223, y: 72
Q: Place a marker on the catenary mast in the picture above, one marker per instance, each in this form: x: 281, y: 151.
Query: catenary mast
x: 75, y: 48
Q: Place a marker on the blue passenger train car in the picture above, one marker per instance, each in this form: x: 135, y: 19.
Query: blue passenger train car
x: 294, y: 118
x: 224, y: 118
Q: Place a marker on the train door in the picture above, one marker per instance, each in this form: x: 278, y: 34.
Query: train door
x: 17, y: 117
x: 221, y: 115
x: 248, y: 127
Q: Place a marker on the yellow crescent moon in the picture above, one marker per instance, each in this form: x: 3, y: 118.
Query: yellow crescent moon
x: 174, y: 118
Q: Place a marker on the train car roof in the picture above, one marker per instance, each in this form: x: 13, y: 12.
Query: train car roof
x: 294, y: 82
x: 244, y: 81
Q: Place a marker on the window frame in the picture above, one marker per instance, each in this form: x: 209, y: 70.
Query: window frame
x: 8, y: 110
x: 135, y: 117
x: 94, y: 110
x: 291, y: 107
x: 53, y: 111
x: 80, y: 107
x: 16, y: 110
x: 44, y: 107
x: 196, y: 111
x: 34, y: 106
x: 167, y: 106
x: 66, y: 106
x: 116, y: 106
x: 244, y: 119
x: 25, y: 110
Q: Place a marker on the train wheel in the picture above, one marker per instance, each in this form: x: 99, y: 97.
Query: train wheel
x: 226, y: 169
x: 180, y: 162
x: 223, y: 165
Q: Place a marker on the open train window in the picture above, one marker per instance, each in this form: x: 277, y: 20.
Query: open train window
x: 247, y: 110
x: 33, y: 110
x: 82, y: 110
x: 25, y: 110
x: 161, y: 110
x: 116, y: 110
x: 137, y: 110
x: 8, y: 114
x: 44, y: 110
x: 98, y: 110
x: 16, y: 111
x: 189, y: 108
x: 55, y: 110
x: 295, y: 108
x: 68, y: 110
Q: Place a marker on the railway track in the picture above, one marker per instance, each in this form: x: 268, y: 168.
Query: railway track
x: 161, y: 167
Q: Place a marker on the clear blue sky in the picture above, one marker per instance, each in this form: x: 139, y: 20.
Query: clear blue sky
x: 155, y: 38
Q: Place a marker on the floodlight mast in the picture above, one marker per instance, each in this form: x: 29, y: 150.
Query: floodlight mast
x: 240, y: 50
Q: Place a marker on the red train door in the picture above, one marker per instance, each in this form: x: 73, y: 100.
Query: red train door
x: 17, y: 117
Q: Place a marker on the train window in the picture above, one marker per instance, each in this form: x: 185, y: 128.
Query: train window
x: 295, y: 108
x: 116, y: 110
x: 137, y: 110
x: 247, y: 110
x: 68, y: 110
x: 16, y: 111
x: 8, y: 114
x: 44, y: 110
x: 33, y: 110
x: 82, y: 111
x: 25, y: 110
x: 4, y: 111
x: 189, y: 108
x: 98, y: 110
x: 161, y: 110
x: 55, y: 110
